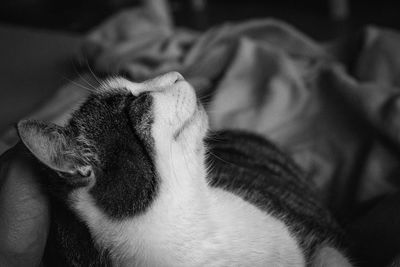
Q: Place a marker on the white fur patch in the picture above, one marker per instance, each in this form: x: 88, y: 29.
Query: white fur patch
x: 330, y: 257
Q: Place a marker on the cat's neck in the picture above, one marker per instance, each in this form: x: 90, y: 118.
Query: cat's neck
x: 181, y: 213
x: 183, y: 173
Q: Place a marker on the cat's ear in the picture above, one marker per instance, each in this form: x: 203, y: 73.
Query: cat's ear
x: 49, y: 143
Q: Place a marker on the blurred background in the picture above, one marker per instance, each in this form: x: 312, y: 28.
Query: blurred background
x: 321, y: 19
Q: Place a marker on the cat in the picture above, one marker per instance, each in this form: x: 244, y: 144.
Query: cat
x: 135, y: 181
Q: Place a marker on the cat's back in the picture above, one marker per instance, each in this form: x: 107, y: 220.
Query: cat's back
x: 256, y: 171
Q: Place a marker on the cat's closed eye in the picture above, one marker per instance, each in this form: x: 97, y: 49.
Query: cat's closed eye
x: 85, y: 172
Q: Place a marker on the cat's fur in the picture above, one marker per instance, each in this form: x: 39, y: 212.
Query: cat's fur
x: 132, y: 186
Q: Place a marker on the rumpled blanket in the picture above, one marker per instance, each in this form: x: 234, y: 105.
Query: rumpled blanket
x: 334, y: 107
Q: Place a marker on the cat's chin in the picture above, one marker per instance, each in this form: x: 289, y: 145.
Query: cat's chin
x: 196, y: 125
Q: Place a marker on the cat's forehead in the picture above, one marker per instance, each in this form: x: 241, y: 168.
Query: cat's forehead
x: 109, y: 97
x: 120, y: 83
x: 102, y: 105
x: 158, y: 83
x: 108, y: 110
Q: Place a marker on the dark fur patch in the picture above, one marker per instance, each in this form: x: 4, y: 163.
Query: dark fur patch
x: 117, y: 126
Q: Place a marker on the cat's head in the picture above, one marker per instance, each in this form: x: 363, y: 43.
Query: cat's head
x: 115, y: 142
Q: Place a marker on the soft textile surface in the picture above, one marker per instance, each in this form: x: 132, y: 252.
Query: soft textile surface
x: 335, y: 107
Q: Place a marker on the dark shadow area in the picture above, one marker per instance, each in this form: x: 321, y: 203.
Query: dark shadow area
x: 320, y: 19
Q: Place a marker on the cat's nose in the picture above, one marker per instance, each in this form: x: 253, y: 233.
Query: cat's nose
x: 167, y: 79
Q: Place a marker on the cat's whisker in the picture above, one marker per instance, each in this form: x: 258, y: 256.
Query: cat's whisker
x: 87, y: 82
x: 205, y: 102
x: 79, y: 85
x: 92, y: 72
x: 82, y: 78
x: 207, y: 95
x: 221, y: 159
x: 214, y: 138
